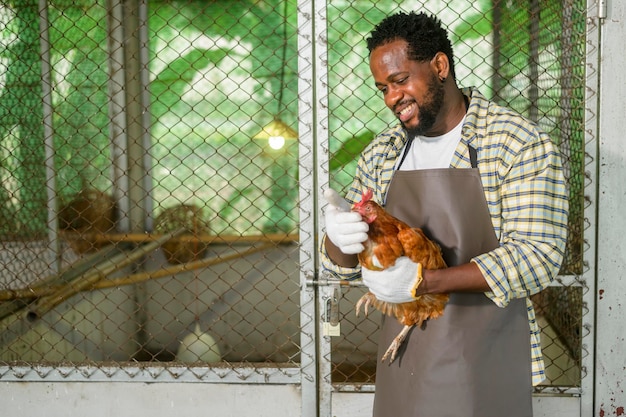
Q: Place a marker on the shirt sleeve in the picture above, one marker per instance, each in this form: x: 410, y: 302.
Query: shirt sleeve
x: 534, y: 210
x: 330, y: 270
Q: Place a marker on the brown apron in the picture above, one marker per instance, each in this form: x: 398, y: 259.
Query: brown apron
x: 474, y: 361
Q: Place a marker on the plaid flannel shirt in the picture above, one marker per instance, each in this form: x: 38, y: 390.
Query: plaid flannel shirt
x: 522, y: 177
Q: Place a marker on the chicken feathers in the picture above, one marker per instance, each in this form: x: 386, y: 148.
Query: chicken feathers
x: 388, y: 239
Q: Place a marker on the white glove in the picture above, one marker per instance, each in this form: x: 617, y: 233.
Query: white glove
x: 396, y: 284
x: 345, y: 228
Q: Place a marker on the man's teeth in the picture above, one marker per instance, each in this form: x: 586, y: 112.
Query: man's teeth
x: 407, y: 109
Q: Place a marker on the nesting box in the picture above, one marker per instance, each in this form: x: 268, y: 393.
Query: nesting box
x: 193, y: 219
x: 89, y: 213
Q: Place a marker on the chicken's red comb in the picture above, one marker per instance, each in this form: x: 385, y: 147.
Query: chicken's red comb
x: 365, y: 197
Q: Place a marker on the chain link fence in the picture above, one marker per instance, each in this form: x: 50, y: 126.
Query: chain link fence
x: 142, y: 221
x: 149, y: 198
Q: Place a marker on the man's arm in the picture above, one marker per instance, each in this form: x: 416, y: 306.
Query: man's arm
x: 461, y: 278
x: 338, y: 257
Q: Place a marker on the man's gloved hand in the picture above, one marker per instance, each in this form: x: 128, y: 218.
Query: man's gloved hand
x: 396, y: 284
x: 346, y: 229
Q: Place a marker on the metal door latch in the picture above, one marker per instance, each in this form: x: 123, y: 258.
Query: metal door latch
x: 330, y: 318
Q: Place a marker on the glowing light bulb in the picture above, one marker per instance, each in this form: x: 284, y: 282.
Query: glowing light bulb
x: 276, y: 142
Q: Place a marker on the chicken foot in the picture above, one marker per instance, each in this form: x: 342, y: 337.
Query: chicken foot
x: 392, y: 350
x: 365, y: 301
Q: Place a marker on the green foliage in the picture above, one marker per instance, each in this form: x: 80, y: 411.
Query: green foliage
x: 475, y: 26
x: 21, y: 131
x: 216, y: 83
x: 349, y: 150
x: 215, y: 80
x: 175, y: 79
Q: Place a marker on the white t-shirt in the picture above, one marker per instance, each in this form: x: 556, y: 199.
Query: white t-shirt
x: 432, y: 152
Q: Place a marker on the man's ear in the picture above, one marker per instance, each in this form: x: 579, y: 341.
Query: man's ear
x: 441, y: 66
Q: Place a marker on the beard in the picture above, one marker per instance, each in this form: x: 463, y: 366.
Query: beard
x: 429, y: 109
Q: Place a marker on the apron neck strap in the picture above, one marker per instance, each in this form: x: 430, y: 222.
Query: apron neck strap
x: 473, y: 154
x: 405, y: 151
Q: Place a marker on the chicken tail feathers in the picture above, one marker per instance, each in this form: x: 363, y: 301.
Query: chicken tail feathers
x: 427, y: 306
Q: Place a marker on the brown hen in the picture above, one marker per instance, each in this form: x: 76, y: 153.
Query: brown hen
x: 388, y: 239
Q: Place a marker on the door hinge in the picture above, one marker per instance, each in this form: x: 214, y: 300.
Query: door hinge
x: 602, y: 9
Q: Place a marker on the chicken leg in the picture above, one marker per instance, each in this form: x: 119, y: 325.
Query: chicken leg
x: 366, y: 301
x: 392, y: 350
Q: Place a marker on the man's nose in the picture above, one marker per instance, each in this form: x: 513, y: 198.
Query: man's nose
x: 393, y: 97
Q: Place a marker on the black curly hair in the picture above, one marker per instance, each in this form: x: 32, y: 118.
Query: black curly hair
x: 424, y: 34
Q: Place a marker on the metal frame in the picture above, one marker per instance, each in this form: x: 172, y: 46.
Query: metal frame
x: 308, y: 136
x: 608, y: 172
x: 46, y: 87
x: 590, y: 211
x: 131, y: 372
x: 557, y: 395
x: 325, y: 292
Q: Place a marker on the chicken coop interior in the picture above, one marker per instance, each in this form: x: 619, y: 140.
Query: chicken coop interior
x: 162, y: 166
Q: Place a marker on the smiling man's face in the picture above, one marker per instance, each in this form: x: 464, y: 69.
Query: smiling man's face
x: 411, y: 89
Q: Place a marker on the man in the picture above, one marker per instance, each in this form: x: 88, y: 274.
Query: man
x: 487, y: 185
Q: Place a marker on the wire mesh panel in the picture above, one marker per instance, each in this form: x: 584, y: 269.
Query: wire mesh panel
x: 527, y: 55
x: 159, y: 223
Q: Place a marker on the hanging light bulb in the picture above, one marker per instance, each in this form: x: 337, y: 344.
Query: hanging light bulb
x: 278, y: 132
x: 276, y: 142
